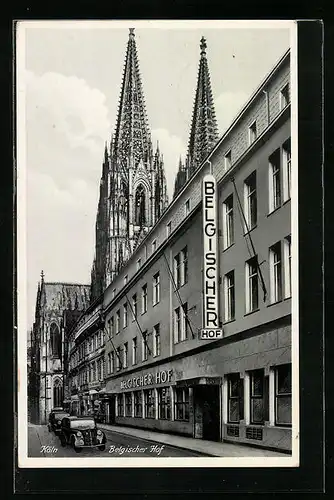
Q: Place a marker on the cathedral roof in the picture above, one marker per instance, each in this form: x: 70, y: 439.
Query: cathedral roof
x: 204, y: 129
x: 66, y: 296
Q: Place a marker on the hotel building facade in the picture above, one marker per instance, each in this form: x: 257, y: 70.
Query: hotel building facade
x: 136, y: 354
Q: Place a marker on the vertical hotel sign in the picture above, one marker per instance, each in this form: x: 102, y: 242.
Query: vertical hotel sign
x: 210, y: 328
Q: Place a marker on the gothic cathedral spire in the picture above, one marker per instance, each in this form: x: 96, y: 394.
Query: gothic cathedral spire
x: 204, y: 129
x: 133, y: 190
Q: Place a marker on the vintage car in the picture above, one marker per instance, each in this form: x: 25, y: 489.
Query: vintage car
x: 55, y: 418
x: 82, y: 432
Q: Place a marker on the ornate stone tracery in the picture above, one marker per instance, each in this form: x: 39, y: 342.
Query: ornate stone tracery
x: 133, y: 189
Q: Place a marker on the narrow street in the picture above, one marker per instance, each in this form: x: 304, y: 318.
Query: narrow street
x: 42, y: 443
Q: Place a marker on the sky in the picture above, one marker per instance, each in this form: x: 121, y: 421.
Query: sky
x: 71, y: 75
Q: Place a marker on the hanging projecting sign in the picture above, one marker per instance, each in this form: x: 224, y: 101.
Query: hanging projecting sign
x: 211, y: 328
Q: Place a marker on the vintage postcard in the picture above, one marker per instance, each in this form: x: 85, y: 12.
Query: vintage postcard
x: 157, y: 170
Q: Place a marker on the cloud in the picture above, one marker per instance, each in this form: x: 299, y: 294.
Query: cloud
x: 66, y: 126
x: 172, y: 147
x: 228, y: 105
x: 73, y: 108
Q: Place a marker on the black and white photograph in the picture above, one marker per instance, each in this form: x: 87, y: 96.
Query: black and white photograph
x: 157, y: 223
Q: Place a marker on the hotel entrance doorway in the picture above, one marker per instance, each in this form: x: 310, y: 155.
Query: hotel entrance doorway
x: 207, y: 412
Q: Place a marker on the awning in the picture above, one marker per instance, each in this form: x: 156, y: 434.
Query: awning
x: 92, y: 391
x: 191, y: 382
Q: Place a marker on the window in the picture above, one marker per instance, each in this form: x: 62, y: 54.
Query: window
x: 112, y: 362
x: 55, y: 341
x: 229, y: 293
x: 169, y: 228
x: 118, y: 358
x: 177, y: 325
x: 181, y: 404
x: 275, y: 261
x: 125, y: 355
x: 181, y: 268
x: 134, y: 307
x: 156, y: 288
x: 287, y: 267
x: 250, y: 201
x: 154, y: 246
x: 259, y: 404
x: 252, y: 132
x: 228, y: 160
x: 180, y: 323
x: 111, y: 326
x: 138, y: 404
x: 125, y: 315
x: 187, y: 207
x: 184, y: 266
x: 149, y: 403
x: 177, y: 270
x: 252, y: 285
x: 92, y: 372
x: 125, y: 279
x: 134, y: 350
x: 235, y: 398
x: 144, y: 349
x: 138, y: 264
x: 274, y: 181
x: 128, y: 404
x: 164, y: 403
x: 284, y: 96
x: 287, y: 170
x: 120, y: 405
x: 228, y: 223
x: 118, y: 321
x: 283, y: 395
x: 144, y: 299
x: 156, y: 340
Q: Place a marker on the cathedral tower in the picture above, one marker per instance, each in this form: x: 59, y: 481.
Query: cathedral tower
x: 204, y: 129
x: 133, y: 189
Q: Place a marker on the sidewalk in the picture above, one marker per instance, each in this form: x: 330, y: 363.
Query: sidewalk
x: 217, y: 449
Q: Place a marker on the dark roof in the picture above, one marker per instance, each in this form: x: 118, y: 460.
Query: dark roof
x: 66, y: 296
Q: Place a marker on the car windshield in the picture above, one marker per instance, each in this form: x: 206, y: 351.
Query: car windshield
x: 59, y: 416
x: 83, y: 424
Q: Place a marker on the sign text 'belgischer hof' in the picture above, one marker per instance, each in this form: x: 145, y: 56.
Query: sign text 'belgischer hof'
x: 211, y: 328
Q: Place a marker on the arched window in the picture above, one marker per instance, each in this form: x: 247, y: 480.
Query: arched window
x: 57, y: 393
x: 55, y: 341
x: 140, y: 217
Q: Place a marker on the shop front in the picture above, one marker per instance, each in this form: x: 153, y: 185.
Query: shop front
x: 168, y: 398
x: 237, y: 391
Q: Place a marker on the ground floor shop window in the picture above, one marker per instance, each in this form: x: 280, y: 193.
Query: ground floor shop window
x: 235, y: 398
x: 164, y: 403
x: 181, y: 404
x: 138, y: 404
x: 259, y: 392
x: 283, y: 394
x: 128, y: 404
x: 120, y: 405
x: 149, y: 403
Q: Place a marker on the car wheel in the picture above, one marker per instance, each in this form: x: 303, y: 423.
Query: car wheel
x: 62, y: 440
x: 75, y: 448
x: 102, y: 447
